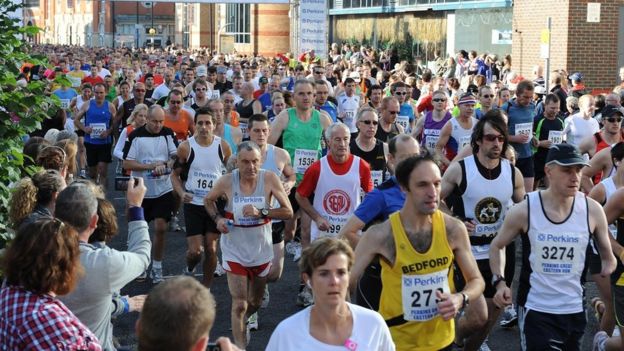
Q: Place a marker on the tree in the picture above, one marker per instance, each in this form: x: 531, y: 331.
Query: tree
x: 22, y: 108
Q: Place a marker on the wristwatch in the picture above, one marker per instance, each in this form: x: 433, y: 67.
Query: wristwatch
x: 497, y: 278
x: 264, y: 212
x: 466, y: 301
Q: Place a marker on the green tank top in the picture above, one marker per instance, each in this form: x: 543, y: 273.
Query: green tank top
x: 302, y: 140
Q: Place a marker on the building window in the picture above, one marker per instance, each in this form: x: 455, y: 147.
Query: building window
x: 70, y: 4
x: 238, y: 17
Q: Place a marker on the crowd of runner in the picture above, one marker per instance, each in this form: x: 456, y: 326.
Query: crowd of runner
x: 398, y: 187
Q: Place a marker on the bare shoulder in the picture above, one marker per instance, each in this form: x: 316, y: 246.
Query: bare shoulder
x: 455, y: 228
x: 378, y: 238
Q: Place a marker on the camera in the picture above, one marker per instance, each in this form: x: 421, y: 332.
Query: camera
x: 121, y: 183
x: 212, y: 347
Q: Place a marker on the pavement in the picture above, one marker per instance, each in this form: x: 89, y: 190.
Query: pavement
x: 282, y: 296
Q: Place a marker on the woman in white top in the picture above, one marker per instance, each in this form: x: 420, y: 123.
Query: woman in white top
x: 331, y: 323
x: 582, y: 124
x: 137, y: 119
x: 125, y: 93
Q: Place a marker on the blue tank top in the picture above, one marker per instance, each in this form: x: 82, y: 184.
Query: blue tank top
x: 227, y: 136
x: 98, y: 118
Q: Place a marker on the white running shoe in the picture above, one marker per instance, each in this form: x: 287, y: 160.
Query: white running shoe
x: 219, y: 271
x: 252, y: 322
x: 156, y: 275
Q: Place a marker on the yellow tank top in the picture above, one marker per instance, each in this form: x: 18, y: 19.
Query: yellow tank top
x: 408, y: 297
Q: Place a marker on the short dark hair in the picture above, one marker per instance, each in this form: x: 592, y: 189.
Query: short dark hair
x: 204, y: 110
x: 369, y: 92
x: 404, y: 168
x: 257, y: 117
x: 550, y: 98
x: 397, y: 85
x: 525, y: 85
x: 497, y: 121
x: 349, y: 81
x: 617, y: 151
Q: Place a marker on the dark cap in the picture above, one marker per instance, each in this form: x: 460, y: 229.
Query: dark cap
x: 263, y: 80
x: 565, y: 155
x: 610, y: 111
x: 148, y: 75
x: 576, y: 76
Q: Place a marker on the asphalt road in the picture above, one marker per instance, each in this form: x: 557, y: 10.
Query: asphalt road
x: 282, y: 297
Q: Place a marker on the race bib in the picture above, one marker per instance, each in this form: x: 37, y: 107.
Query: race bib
x: 403, y: 121
x: 377, y: 177
x: 304, y: 159
x: 202, y: 183
x: 97, y: 129
x: 558, y: 254
x: 65, y: 104
x: 335, y: 225
x: 463, y: 141
x: 418, y: 294
x: 240, y: 202
x: 215, y: 94
x: 555, y: 136
x: 525, y: 129
x: 431, y: 141
x: 243, y: 128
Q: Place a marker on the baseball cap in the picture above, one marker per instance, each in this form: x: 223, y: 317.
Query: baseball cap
x: 577, y: 76
x: 355, y: 76
x: 540, y: 89
x: 565, y: 155
x: 202, y: 71
x: 221, y: 70
x: 467, y: 99
x: 263, y: 80
x: 609, y: 111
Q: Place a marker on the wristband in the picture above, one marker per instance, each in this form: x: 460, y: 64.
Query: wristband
x: 126, y: 305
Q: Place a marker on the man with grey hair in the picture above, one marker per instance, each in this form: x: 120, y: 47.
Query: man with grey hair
x: 336, y: 181
x: 246, y: 246
x: 107, y: 270
x: 150, y: 153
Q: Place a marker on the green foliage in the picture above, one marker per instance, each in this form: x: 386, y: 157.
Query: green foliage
x: 21, y: 108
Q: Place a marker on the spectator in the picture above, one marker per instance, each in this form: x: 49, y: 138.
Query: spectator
x: 32, y: 317
x: 34, y: 198
x: 178, y: 315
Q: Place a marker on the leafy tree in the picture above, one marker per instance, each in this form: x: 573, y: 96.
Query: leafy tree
x: 22, y: 108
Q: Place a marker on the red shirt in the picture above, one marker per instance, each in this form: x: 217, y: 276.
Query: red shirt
x: 311, y: 176
x: 425, y: 104
x: 92, y: 80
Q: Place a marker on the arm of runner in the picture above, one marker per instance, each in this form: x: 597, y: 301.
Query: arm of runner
x: 284, y: 212
x: 111, y: 128
x: 445, y: 134
x: 225, y: 147
x: 597, y: 164
x: 278, y: 126
x: 516, y: 222
x: 210, y: 202
x: 601, y: 237
x: 450, y: 304
x: 257, y: 107
x: 289, y: 175
x: 306, y: 206
x: 587, y: 145
x: 178, y: 168
x: 377, y: 240
x: 79, y: 116
x: 237, y: 135
x: 418, y: 128
x: 121, y: 142
x: 519, y: 191
x: 326, y: 121
x: 613, y: 209
x: 117, y: 117
x: 350, y: 231
x: 450, y: 180
x: 598, y: 193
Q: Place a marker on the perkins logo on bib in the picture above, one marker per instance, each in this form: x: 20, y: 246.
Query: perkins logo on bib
x: 336, y: 202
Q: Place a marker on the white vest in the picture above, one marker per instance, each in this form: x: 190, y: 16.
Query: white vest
x: 206, y: 167
x: 486, y: 201
x: 556, y: 260
x: 350, y: 106
x: 461, y: 135
x: 336, y: 197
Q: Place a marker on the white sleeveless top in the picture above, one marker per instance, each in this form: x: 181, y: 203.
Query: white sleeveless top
x: 461, y: 135
x: 205, y: 168
x: 487, y: 208
x: 336, y: 197
x: 556, y: 260
x: 349, y: 105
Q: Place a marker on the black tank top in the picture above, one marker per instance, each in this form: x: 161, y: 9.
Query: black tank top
x: 376, y: 158
x: 387, y: 136
x: 245, y: 111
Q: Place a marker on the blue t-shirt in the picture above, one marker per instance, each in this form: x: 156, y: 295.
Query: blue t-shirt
x: 407, y: 110
x: 331, y: 110
x: 66, y: 97
x: 265, y: 101
x: 380, y: 203
x: 520, y: 117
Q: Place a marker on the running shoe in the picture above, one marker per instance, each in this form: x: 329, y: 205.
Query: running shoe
x: 484, y: 346
x: 188, y: 273
x: 297, y: 253
x: 219, y: 271
x: 600, y: 339
x: 174, y: 224
x: 156, y: 275
x: 83, y: 174
x: 305, y: 298
x: 252, y: 322
x: 509, y: 318
x: 265, y: 297
x: 290, y: 247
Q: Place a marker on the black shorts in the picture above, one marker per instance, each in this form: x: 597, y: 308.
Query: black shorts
x: 593, y: 262
x: 526, y: 167
x: 97, y: 153
x: 617, y: 292
x: 277, y: 230
x: 541, y: 331
x: 197, y: 221
x: 158, y: 207
x: 293, y: 200
x: 486, y: 272
x: 538, y: 167
x: 368, y: 290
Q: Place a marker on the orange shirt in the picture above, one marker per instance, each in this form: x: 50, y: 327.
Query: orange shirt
x: 180, y: 126
x: 233, y: 119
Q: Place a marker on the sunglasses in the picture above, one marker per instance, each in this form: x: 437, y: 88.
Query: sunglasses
x: 393, y: 112
x: 201, y: 89
x: 488, y: 96
x: 368, y: 122
x: 139, y: 90
x: 614, y: 119
x: 400, y: 93
x: 492, y: 137
x: 438, y: 100
x: 319, y: 72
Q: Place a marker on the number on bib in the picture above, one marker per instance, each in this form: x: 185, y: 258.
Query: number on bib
x: 418, y: 293
x: 97, y: 129
x: 304, y: 159
x: 555, y: 136
x: 558, y: 254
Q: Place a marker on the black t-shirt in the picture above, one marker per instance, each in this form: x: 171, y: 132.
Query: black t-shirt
x: 543, y: 126
x: 223, y: 87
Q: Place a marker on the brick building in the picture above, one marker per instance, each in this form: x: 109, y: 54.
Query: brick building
x: 595, y: 49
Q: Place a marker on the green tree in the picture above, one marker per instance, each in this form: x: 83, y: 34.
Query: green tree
x: 22, y: 108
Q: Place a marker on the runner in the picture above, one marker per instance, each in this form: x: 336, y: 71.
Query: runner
x: 456, y: 133
x: 483, y: 213
x: 246, y: 242
x: 428, y: 129
x: 321, y: 101
x: 348, y: 104
x: 366, y: 146
x: 150, y: 154
x: 98, y: 115
x: 374, y: 96
x: 223, y: 130
x: 417, y: 247
x: 558, y: 223
x: 335, y: 181
x: 247, y: 107
x: 201, y: 161
x: 610, y: 134
x: 86, y: 92
x: 406, y: 117
x: 201, y: 98
x: 138, y: 97
x: 547, y: 131
x: 388, y: 125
